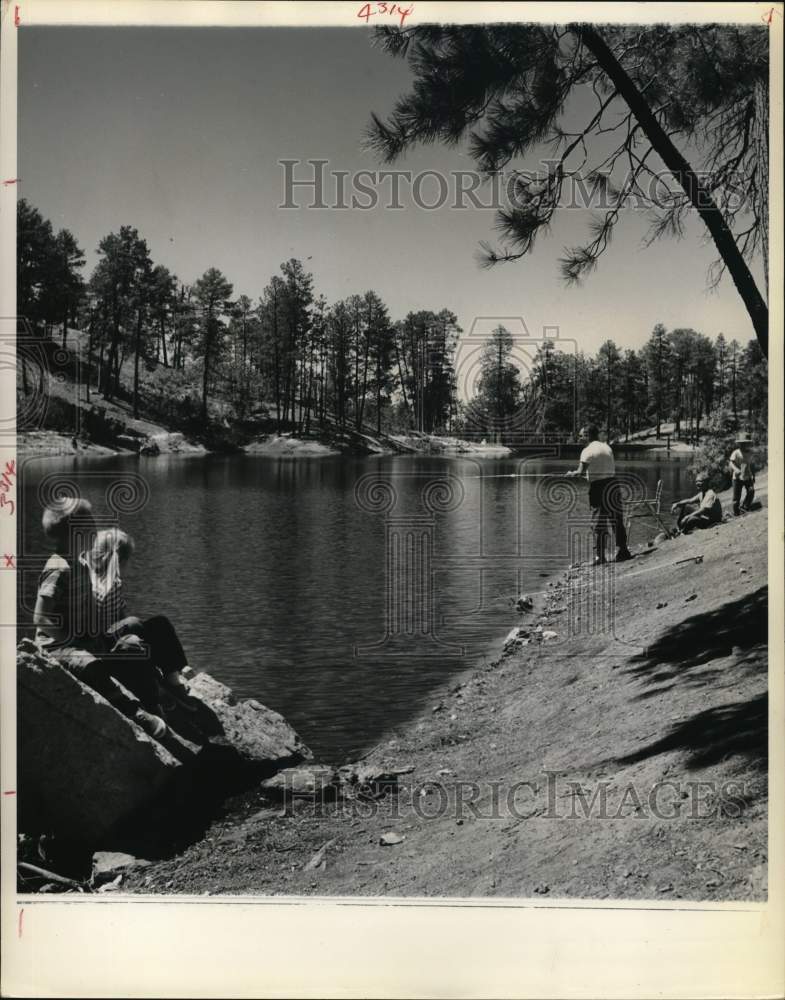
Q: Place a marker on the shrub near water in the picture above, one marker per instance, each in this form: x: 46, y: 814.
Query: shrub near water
x: 713, y: 455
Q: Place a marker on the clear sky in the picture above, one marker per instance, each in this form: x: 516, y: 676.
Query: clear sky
x: 178, y: 132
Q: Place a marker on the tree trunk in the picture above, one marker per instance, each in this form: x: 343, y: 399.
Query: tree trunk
x: 90, y: 331
x: 206, y: 375
x: 163, y: 342
x: 137, y: 349
x: 699, y: 195
x: 361, y: 409
x: 101, y: 382
x: 400, y: 375
x: 677, y: 428
x: 379, y: 394
x: 733, y: 392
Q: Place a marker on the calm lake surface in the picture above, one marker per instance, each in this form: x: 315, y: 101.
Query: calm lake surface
x: 283, y: 577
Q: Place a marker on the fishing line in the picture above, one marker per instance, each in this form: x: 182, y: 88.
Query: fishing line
x: 524, y: 475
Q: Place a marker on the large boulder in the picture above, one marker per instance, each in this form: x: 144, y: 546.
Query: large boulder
x: 86, y: 771
x: 307, y: 781
x: 258, y: 735
x: 83, y: 767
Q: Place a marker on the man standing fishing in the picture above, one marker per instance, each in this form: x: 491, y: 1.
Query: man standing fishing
x: 598, y: 466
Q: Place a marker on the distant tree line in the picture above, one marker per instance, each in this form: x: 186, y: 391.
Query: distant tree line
x: 298, y: 360
x: 289, y: 355
x: 678, y: 377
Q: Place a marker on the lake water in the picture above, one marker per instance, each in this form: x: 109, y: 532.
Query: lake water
x: 298, y: 582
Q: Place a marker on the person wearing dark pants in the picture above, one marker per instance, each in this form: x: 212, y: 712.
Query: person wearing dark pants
x: 743, y: 473
x: 606, y: 509
x: 701, y: 511
x: 748, y: 486
x: 125, y: 661
x: 156, y: 643
x: 599, y: 468
x: 68, y: 627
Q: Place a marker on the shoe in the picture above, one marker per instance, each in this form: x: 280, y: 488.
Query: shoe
x: 624, y: 556
x: 599, y: 561
x: 177, y: 690
x: 153, y: 725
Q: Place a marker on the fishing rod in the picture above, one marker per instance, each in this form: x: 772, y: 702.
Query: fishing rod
x: 524, y: 475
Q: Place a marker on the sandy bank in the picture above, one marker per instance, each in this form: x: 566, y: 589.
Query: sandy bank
x: 434, y: 444
x: 49, y: 444
x: 46, y: 444
x: 283, y: 446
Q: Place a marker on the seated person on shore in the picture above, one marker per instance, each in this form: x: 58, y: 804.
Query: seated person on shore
x: 743, y: 475
x: 701, y: 511
x: 66, y: 621
x: 155, y: 638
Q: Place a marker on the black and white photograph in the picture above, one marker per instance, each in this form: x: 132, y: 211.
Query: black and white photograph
x: 387, y: 499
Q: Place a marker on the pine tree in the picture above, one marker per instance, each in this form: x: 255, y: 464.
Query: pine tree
x: 507, y: 87
x: 212, y: 293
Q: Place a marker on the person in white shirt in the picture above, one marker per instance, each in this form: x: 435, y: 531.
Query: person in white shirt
x: 598, y: 466
x: 701, y: 511
x: 743, y: 475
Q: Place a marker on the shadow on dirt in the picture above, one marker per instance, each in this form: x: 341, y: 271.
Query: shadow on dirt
x: 683, y: 655
x: 737, y: 628
x: 736, y: 730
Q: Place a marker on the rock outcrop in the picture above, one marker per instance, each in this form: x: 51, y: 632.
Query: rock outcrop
x: 82, y: 766
x: 257, y: 734
x: 86, y: 770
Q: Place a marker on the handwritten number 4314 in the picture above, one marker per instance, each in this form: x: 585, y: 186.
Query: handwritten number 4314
x: 369, y: 10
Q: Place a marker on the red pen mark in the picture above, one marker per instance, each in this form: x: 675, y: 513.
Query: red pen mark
x: 12, y: 792
x: 768, y: 16
x: 11, y: 180
x: 21, y: 921
x: 16, y: 17
x: 367, y: 11
x: 6, y: 485
x: 9, y: 562
x: 8, y: 476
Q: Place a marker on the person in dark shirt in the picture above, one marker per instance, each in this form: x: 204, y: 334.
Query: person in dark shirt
x: 67, y: 622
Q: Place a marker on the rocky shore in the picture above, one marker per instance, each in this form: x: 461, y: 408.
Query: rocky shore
x: 51, y: 444
x: 91, y: 777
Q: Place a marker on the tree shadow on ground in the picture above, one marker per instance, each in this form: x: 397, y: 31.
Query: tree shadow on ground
x: 736, y: 730
x: 683, y: 655
x: 695, y: 642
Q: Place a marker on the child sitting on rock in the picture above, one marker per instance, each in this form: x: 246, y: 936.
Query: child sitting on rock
x: 701, y: 511
x: 103, y: 560
x: 155, y: 639
x: 68, y: 625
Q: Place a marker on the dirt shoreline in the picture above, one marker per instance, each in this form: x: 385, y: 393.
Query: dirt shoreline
x: 625, y: 763
x: 52, y: 444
